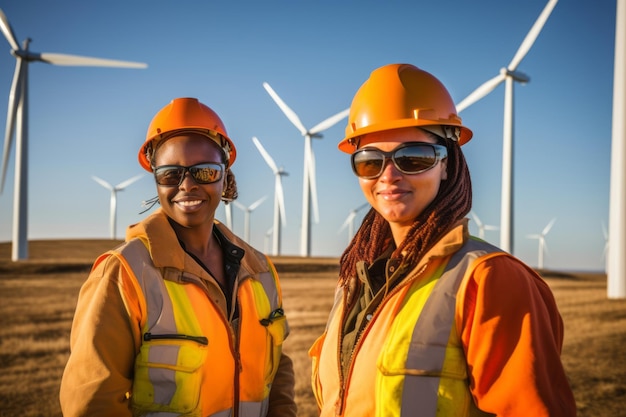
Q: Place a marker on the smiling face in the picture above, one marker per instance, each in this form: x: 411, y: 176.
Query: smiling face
x: 398, y: 197
x: 190, y: 205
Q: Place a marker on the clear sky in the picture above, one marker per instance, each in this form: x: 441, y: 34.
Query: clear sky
x: 88, y: 121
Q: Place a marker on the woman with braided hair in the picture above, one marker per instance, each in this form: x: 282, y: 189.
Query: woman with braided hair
x: 428, y: 320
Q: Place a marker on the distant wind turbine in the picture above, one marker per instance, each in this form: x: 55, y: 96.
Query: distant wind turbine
x: 114, y: 190
x: 17, y: 118
x: 509, y: 75
x: 349, y: 222
x: 279, y: 198
x: 247, y: 211
x: 543, y: 247
x: 605, y: 251
x: 481, y: 226
x: 309, y: 192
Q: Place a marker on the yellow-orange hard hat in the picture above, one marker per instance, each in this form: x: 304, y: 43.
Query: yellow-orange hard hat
x: 401, y: 95
x: 187, y: 115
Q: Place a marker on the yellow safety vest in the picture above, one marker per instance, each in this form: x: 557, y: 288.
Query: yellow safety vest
x: 220, y: 371
x: 412, y: 340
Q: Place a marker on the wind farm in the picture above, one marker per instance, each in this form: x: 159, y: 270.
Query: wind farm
x: 100, y: 120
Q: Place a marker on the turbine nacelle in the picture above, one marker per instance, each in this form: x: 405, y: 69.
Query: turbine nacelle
x: 516, y: 75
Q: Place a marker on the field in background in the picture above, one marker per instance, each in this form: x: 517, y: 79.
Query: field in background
x: 37, y: 298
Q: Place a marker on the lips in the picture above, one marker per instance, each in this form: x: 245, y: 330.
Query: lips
x: 188, y: 202
x: 392, y: 194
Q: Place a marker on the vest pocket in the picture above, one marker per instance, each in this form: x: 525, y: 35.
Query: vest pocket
x: 276, y: 330
x: 168, y: 374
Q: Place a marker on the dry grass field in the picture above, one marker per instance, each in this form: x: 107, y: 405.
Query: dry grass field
x: 37, y: 298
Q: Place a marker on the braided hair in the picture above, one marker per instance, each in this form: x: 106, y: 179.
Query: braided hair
x: 452, y: 203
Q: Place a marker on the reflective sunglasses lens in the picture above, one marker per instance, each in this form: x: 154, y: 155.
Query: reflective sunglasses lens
x: 415, y: 159
x: 206, y: 173
x: 367, y: 163
x: 170, y: 176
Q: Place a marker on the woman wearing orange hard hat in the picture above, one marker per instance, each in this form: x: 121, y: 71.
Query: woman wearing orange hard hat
x: 428, y: 320
x: 184, y: 318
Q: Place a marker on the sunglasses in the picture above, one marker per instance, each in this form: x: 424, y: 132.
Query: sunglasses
x: 409, y: 158
x: 173, y: 175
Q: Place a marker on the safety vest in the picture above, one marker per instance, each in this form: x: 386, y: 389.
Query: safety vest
x: 420, y: 366
x: 209, y: 368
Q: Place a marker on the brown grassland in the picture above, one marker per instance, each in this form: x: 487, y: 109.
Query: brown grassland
x: 38, y: 296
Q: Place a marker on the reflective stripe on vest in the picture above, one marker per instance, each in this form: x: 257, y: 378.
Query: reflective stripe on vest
x: 427, y: 349
x: 170, y: 317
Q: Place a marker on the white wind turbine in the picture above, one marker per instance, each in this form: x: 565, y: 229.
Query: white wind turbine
x: 17, y: 118
x: 228, y: 213
x: 114, y: 190
x: 349, y: 222
x: 509, y: 75
x: 543, y: 247
x: 481, y: 226
x: 280, y: 217
x: 247, y: 211
x: 309, y: 192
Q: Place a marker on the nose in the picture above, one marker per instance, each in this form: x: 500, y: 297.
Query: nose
x: 188, y: 182
x: 390, y: 172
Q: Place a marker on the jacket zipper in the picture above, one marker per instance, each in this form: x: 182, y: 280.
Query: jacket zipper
x: 357, y: 346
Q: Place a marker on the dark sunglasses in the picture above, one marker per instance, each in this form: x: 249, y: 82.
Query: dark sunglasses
x: 409, y: 158
x: 173, y: 175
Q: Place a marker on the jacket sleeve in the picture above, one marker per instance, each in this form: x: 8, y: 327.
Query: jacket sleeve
x: 97, y: 379
x: 282, y: 394
x: 512, y: 334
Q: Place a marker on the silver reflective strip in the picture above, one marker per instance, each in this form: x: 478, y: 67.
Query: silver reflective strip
x: 253, y: 409
x: 224, y: 413
x: 431, y: 333
x: 161, y: 414
x: 269, y: 285
x: 165, y: 389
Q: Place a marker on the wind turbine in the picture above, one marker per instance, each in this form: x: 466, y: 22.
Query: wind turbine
x: 542, y: 242
x: 309, y: 191
x: 509, y: 75
x: 280, y: 217
x: 247, y: 211
x: 349, y: 222
x: 481, y: 226
x: 228, y: 212
x: 114, y: 190
x: 17, y: 118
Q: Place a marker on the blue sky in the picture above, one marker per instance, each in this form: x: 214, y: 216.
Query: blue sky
x: 88, y: 121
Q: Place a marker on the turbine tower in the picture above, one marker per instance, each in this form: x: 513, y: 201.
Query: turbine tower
x: 616, y: 264
x: 280, y: 217
x: 309, y: 191
x: 247, y: 211
x: 114, y: 190
x: 349, y: 222
x: 481, y: 226
x: 542, y: 242
x: 509, y: 75
x: 17, y: 118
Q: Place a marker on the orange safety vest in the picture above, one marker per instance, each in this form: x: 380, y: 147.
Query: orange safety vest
x: 208, y: 368
x: 409, y: 360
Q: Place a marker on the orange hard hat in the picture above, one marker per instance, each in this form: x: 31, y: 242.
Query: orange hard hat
x: 187, y: 115
x: 402, y: 95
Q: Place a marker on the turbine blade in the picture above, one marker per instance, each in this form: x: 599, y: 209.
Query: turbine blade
x: 103, y: 183
x: 6, y: 29
x: 15, y: 97
x: 531, y: 36
x: 128, y: 182
x: 265, y: 155
x: 241, y: 206
x: 291, y: 115
x: 257, y: 203
x: 281, y: 200
x: 331, y: 121
x: 548, y: 227
x: 347, y: 221
x: 480, y: 92
x: 533, y: 236
x: 362, y: 206
x: 85, y: 61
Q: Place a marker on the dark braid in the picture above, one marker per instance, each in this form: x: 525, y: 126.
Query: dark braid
x: 452, y: 203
